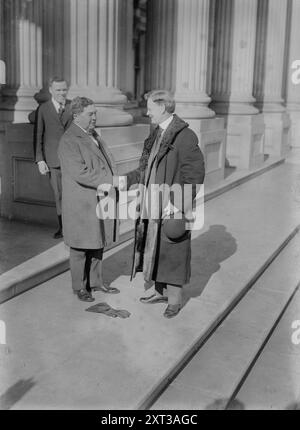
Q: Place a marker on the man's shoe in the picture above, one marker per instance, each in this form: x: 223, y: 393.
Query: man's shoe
x: 85, y: 296
x: 155, y: 298
x: 58, y: 234
x: 106, y: 289
x: 172, y: 310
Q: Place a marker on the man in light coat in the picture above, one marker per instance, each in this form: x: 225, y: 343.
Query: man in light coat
x: 87, y: 168
x: 172, y: 159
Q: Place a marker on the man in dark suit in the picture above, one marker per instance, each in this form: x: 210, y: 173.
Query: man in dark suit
x: 53, y: 118
x: 88, y: 171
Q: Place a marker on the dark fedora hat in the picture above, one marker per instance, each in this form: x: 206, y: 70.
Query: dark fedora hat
x: 174, y: 229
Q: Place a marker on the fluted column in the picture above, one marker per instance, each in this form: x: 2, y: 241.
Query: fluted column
x: 160, y: 45
x: 192, y: 77
x: 268, y: 74
x: 94, y: 27
x: 179, y: 46
x: 233, y: 65
x: 94, y: 50
x: 2, y: 64
x: 232, y: 81
x: 23, y: 55
x: 270, y: 47
x: 293, y: 81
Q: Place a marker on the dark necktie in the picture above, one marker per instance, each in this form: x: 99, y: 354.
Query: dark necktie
x: 61, y: 110
x: 158, y: 136
x: 154, y: 152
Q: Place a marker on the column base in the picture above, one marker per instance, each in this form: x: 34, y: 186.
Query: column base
x: 234, y: 107
x: 15, y: 109
x: 212, y: 137
x: 109, y: 103
x: 277, y: 133
x: 295, y: 128
x: 102, y: 96
x: 245, y: 141
x: 110, y: 117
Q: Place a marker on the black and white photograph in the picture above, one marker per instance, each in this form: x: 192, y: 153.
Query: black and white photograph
x: 149, y: 207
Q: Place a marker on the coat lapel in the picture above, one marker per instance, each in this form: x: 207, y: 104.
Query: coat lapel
x: 53, y: 112
x: 169, y: 135
x: 101, y: 152
x: 147, y: 149
x: 67, y: 115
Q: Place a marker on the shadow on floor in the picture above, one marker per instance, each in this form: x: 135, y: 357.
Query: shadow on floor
x: 208, y: 251
x: 21, y: 241
x: 118, y: 264
x: 14, y: 393
x: 229, y: 171
x: 221, y: 404
x: 295, y: 406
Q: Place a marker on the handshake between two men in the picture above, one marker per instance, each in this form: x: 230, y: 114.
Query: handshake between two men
x: 118, y: 183
x: 171, y: 160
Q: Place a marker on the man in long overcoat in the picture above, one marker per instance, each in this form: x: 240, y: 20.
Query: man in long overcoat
x: 88, y: 173
x: 171, y: 159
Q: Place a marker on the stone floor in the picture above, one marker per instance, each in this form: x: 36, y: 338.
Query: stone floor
x: 57, y: 356
x: 274, y: 382
x: 21, y: 241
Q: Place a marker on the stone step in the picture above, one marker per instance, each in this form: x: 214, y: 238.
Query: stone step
x: 127, y: 165
x: 274, y: 381
x: 217, y: 370
x: 115, y: 136
x: 127, y: 151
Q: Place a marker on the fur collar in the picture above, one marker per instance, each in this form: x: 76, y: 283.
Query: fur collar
x: 167, y: 142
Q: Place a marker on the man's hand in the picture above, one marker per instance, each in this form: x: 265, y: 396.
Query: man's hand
x: 119, y: 182
x: 43, y: 168
x: 169, y: 211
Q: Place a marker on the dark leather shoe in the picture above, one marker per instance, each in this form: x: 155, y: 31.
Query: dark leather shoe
x: 172, y: 310
x: 155, y: 298
x: 106, y: 289
x: 58, y: 234
x: 85, y: 296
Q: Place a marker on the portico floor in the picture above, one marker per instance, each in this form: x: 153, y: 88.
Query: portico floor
x: 58, y: 356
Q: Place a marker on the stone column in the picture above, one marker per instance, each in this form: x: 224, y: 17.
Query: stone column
x: 293, y: 78
x: 94, y: 50
x: 269, y: 69
x: 160, y: 44
x: 180, y: 27
x: 23, y: 55
x: 232, y: 82
x: 180, y: 41
x: 2, y: 34
x: 192, y: 79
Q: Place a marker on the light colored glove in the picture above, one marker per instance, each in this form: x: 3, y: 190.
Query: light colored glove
x: 43, y: 168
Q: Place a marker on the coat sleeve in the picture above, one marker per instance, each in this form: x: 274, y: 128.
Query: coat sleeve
x: 72, y: 162
x: 192, y: 168
x: 39, y: 130
x: 133, y: 177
